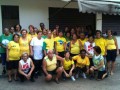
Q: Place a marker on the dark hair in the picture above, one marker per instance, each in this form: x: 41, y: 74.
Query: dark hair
x: 39, y: 32
x: 97, y: 49
x: 67, y: 52
x: 30, y: 26
x: 60, y: 31
x: 98, y: 31
x: 19, y: 26
x: 109, y: 30
x: 16, y: 35
x: 83, y: 50
x: 23, y: 30
x: 90, y: 36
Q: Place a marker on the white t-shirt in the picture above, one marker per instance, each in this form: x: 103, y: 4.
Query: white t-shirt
x: 37, y: 48
x: 89, y: 47
x: 25, y: 65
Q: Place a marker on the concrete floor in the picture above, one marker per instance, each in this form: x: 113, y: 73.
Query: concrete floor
x: 110, y: 83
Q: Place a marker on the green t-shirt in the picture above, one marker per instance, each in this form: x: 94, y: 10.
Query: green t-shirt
x: 44, y: 37
x: 97, y: 60
x: 4, y: 40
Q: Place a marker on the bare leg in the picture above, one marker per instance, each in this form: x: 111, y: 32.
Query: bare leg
x: 113, y: 67
x: 109, y: 66
x: 15, y: 74
x: 9, y: 75
x: 59, y: 73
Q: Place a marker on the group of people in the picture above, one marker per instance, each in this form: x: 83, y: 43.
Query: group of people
x: 57, y: 53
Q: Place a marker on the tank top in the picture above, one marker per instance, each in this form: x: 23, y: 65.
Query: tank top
x: 25, y: 65
x: 110, y: 44
x: 51, y: 64
x: 75, y: 48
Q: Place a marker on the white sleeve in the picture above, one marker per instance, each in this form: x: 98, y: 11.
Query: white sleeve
x: 32, y: 42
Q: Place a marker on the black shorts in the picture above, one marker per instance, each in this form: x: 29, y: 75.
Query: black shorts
x: 72, y: 55
x: 61, y: 54
x: 91, y: 62
x: 52, y: 72
x: 12, y: 64
x: 111, y: 55
x: 78, y: 69
x: 100, y: 74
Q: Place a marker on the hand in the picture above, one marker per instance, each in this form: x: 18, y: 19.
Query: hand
x: 67, y: 75
x: 27, y: 76
x: 7, y: 59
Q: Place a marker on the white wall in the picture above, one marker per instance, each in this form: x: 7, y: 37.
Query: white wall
x: 34, y: 11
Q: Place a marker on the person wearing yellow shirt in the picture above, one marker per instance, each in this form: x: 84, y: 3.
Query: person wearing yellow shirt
x: 83, y: 39
x: 13, y: 57
x: 101, y: 42
x: 68, y: 66
x: 50, y: 67
x: 54, y: 34
x: 32, y: 32
x: 24, y: 42
x: 112, y: 51
x: 48, y: 43
x: 75, y: 46
x: 60, y: 44
x: 82, y: 63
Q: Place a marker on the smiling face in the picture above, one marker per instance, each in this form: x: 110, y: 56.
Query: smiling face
x: 25, y: 56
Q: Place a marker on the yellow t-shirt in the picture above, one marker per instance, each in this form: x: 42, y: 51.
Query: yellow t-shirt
x: 101, y: 42
x: 81, y: 62
x: 75, y: 48
x: 49, y: 44
x: 14, y: 51
x: 110, y: 44
x: 60, y: 43
x: 51, y: 64
x: 83, y: 42
x: 31, y: 36
x: 24, y: 45
x: 68, y: 64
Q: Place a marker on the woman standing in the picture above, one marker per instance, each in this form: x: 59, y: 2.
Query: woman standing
x: 112, y: 49
x: 4, y: 40
x: 24, y: 42
x: 75, y: 46
x: 88, y: 46
x: 32, y: 32
x: 36, y: 50
x: 13, y: 57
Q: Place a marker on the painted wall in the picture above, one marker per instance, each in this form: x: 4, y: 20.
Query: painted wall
x: 34, y: 11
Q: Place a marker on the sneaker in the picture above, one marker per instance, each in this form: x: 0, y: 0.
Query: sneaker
x: 84, y: 75
x: 77, y: 75
x: 73, y: 79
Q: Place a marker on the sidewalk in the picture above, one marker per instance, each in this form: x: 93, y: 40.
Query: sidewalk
x: 110, y: 83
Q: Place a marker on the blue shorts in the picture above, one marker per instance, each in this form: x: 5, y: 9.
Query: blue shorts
x: 3, y: 58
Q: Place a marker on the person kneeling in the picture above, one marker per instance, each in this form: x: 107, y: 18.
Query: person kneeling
x: 50, y: 66
x: 68, y: 66
x: 26, y: 68
x: 82, y: 64
x: 99, y: 65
